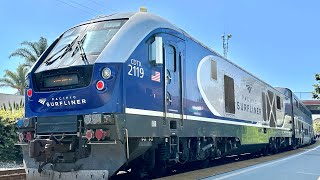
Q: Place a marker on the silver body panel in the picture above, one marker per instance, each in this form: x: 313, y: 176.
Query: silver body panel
x: 248, y: 93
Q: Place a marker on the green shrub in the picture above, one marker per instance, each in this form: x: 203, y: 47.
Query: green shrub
x: 9, y: 136
x: 316, y: 127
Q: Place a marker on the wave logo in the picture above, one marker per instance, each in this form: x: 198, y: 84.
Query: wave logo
x: 249, y: 87
x: 42, y: 100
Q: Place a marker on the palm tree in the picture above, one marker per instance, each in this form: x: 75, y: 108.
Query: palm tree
x: 31, y: 51
x: 15, y: 80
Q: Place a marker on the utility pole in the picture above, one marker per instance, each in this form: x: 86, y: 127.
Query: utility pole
x: 225, y: 43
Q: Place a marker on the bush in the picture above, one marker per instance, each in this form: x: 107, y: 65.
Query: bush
x: 9, y: 136
x: 316, y: 127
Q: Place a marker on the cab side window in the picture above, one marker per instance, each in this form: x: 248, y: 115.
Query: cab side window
x: 279, y: 103
x: 171, y: 58
x: 214, y: 71
x: 152, y: 50
x: 229, y: 94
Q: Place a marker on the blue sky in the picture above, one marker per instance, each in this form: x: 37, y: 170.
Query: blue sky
x: 278, y: 41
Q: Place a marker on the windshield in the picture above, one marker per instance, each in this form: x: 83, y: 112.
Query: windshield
x: 82, y: 42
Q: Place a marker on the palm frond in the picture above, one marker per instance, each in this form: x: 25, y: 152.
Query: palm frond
x: 18, y: 53
x: 42, y: 45
x: 27, y: 64
x: 6, y: 82
x: 16, y: 79
x: 30, y: 51
x: 12, y: 75
x: 24, y: 53
x: 32, y: 46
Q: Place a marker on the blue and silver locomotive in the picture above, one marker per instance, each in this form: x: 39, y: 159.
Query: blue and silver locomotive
x: 132, y: 91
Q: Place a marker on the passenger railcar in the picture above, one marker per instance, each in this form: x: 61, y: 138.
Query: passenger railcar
x: 132, y: 91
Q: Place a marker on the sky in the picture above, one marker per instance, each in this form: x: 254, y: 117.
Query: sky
x: 277, y: 41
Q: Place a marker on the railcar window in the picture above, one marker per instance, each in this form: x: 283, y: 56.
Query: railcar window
x: 229, y: 94
x: 278, y: 103
x: 301, y: 108
x: 89, y: 38
x: 171, y: 58
x: 313, y: 107
x: 310, y: 129
x: 152, y: 51
x: 97, y: 40
x: 264, y: 106
x: 214, y: 73
x: 297, y: 104
x: 68, y: 38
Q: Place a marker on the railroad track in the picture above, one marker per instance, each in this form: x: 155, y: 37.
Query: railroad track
x: 13, y: 174
x: 232, y: 164
x: 219, y: 166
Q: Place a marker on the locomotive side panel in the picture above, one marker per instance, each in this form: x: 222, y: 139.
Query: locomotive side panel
x: 206, y: 94
x: 144, y: 98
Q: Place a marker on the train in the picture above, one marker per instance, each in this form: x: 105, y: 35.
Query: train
x: 133, y: 92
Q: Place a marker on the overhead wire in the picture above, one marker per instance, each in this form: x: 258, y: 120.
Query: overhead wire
x: 76, y: 7
x: 81, y: 5
x: 101, y: 5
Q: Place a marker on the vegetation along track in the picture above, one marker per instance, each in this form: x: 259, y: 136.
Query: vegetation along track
x: 13, y: 174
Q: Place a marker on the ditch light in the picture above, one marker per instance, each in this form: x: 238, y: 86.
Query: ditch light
x: 25, y: 123
x: 98, y: 119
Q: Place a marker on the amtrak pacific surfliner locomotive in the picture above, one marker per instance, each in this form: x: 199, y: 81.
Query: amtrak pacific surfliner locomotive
x: 132, y: 91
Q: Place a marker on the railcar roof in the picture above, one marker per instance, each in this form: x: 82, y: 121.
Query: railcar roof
x: 110, y: 17
x: 143, y: 18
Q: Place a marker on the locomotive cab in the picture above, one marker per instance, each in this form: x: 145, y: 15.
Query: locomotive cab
x: 73, y: 100
x: 81, y: 90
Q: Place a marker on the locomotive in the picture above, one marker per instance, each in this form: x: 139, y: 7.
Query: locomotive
x: 133, y: 91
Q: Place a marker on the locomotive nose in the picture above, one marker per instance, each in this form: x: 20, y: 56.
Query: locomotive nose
x: 78, y: 89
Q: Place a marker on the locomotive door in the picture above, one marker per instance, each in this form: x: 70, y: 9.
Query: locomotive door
x: 174, y: 49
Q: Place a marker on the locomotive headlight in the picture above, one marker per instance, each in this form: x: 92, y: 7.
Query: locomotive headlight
x: 108, y: 119
x: 20, y: 123
x: 26, y: 122
x: 106, y: 73
x: 96, y: 118
x: 99, y: 119
x: 87, y: 119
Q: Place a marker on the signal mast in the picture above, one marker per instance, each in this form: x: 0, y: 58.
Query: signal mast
x: 225, y: 43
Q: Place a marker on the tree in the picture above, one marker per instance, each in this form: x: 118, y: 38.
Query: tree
x: 8, y: 130
x: 316, y: 127
x: 316, y: 92
x: 31, y: 51
x: 15, y: 80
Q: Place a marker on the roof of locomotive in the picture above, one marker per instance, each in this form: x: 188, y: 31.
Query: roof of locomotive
x: 138, y: 26
x: 130, y: 35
